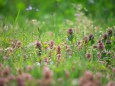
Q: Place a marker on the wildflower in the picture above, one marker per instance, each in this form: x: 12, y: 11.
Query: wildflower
x: 29, y: 8
x: 79, y: 43
x: 20, y: 81
x: 58, y: 57
x: 79, y: 47
x: 38, y: 45
x: 89, y: 84
x: 101, y: 46
x: 70, y: 31
x: 88, y: 56
x: 51, y: 44
x: 58, y: 50
x: 70, y: 34
x: 81, y: 81
x: 89, y: 80
x: 111, y: 83
x: 47, y: 77
x: 18, y: 44
x: 104, y: 36
x: 2, y: 81
x: 110, y: 32
x: 67, y: 74
x: 86, y: 40
x: 89, y: 75
x: 6, y: 72
x: 91, y: 37
x: 47, y: 73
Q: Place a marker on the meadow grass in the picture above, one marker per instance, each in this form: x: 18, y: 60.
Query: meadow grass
x: 73, y: 62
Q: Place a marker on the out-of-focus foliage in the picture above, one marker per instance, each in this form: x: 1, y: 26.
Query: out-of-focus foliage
x: 96, y: 8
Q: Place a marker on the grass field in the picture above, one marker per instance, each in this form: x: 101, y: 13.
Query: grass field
x: 54, y: 50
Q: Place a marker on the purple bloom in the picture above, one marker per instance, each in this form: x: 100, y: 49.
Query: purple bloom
x: 104, y: 36
x: 38, y: 45
x: 58, y: 50
x: 91, y: 37
x: 2, y: 81
x: 88, y: 56
x: 51, y: 44
x: 101, y: 46
x: 110, y: 32
x: 20, y: 81
x: 70, y: 31
x: 86, y: 39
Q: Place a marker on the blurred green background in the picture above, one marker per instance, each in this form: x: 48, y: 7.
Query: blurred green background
x: 102, y: 9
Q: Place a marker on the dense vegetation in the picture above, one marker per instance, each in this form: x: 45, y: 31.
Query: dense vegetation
x: 57, y: 42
